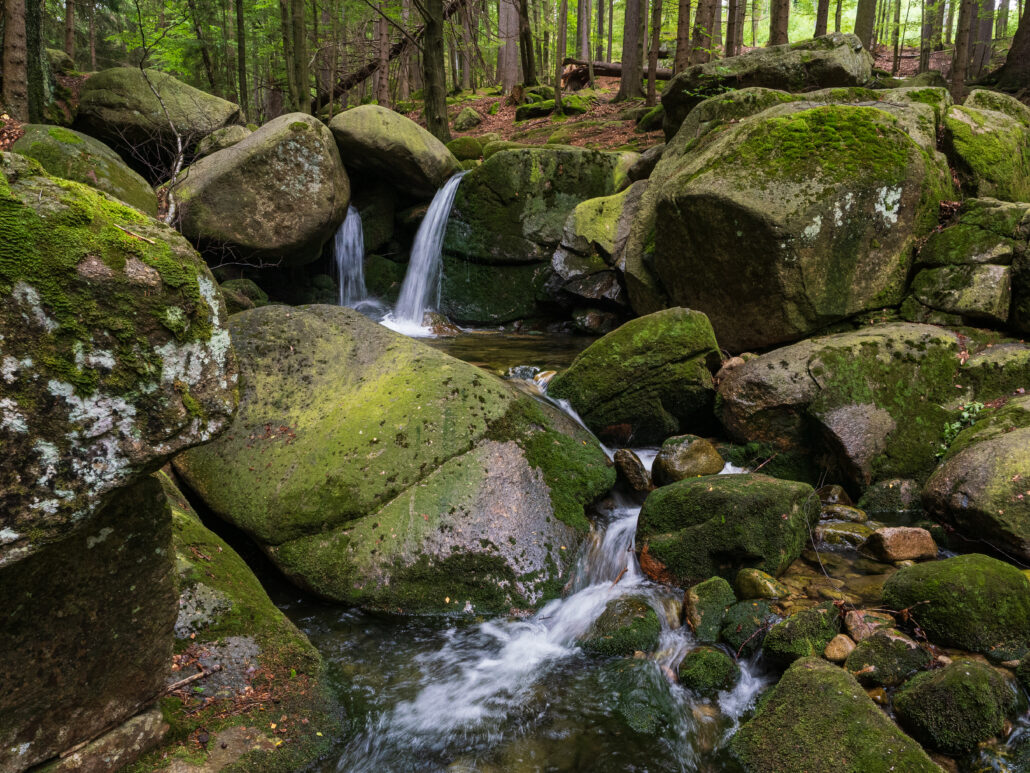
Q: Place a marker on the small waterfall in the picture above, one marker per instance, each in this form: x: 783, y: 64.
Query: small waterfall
x: 349, y: 254
x: 420, y: 291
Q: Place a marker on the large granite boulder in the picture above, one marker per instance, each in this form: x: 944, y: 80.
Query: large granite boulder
x: 377, y: 143
x: 377, y: 471
x: 990, y: 150
x: 646, y: 380
x: 114, y: 354
x: 76, y: 156
x: 819, y: 719
x: 119, y: 107
x: 279, y: 193
x: 833, y: 60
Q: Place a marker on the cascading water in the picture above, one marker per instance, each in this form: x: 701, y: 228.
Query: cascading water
x: 420, y: 291
x: 349, y: 254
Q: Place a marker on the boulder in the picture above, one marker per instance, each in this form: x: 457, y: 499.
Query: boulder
x: 223, y: 138
x: 744, y: 626
x: 886, y: 658
x: 632, y: 470
x: 118, y: 107
x: 699, y: 527
x: 704, y: 607
x: 863, y: 623
x: 756, y: 584
x: 954, y: 709
x: 466, y: 148
x: 838, y: 648
x: 900, y: 543
x: 685, y: 456
x: 387, y: 474
x: 707, y: 671
x: 768, y: 228
x: 477, y: 294
x: 280, y: 193
x: 833, y: 60
x: 990, y: 150
x: 999, y: 102
x: 378, y: 143
x: 818, y: 719
x: 892, y: 499
x: 645, y: 163
x: 627, y: 625
x: 114, y: 357
x: 76, y: 156
x: 59, y: 61
x: 804, y: 634
x: 597, y: 228
x: 978, y: 294
x: 985, y: 231
x: 648, y: 379
x: 974, y: 602
x: 467, y: 120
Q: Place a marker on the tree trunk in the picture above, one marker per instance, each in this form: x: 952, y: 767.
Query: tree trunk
x: 69, y: 28
x: 960, y: 57
x: 896, y: 38
x: 1015, y: 73
x: 92, y: 38
x: 982, y: 40
x: 948, y: 30
x: 611, y: 27
x: 730, y: 46
x: 383, y: 74
x: 287, y: 31
x: 433, y: 75
x: 630, y: 85
x: 37, y: 64
x: 682, y: 60
x: 822, y: 15
x: 403, y: 81
x: 16, y: 92
x: 508, y: 54
x: 241, y: 59
x: 205, y: 51
x: 779, y: 19
x: 583, y: 29
x: 865, y: 19
x: 600, y: 30
x: 926, y: 34
x: 837, y: 17
x: 652, y: 54
x: 754, y: 22
x: 717, y: 28
x: 559, y: 52
x: 1001, y: 28
x: 526, y: 45
x: 701, y: 42
x: 300, y: 58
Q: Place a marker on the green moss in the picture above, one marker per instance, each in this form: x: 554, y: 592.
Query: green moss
x: 886, y: 659
x: 992, y: 152
x: 299, y: 126
x: 803, y: 634
x: 705, y: 606
x: 708, y: 670
x: 627, y: 625
x: 745, y: 625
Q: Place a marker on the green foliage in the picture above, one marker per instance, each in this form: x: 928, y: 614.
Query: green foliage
x: 968, y: 414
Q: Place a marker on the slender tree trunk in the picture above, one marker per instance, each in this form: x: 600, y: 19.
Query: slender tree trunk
x: 960, y: 57
x: 241, y: 59
x: 526, y: 45
x: 896, y: 38
x: 630, y: 85
x: 600, y: 30
x: 755, y: 9
x: 288, y: 53
x: 583, y: 30
x: 16, y: 92
x: 611, y: 27
x: 383, y: 73
x: 205, y: 51
x: 950, y: 29
x: 865, y: 18
x: 1001, y: 29
x: 404, y: 63
x: 300, y: 58
x: 730, y: 46
x: 92, y: 37
x: 652, y: 54
x: 69, y: 28
x: 37, y: 64
x: 982, y: 37
x: 508, y: 54
x: 433, y: 75
x: 701, y: 42
x: 1015, y: 73
x: 559, y: 52
x: 926, y: 34
x: 779, y: 20
x: 822, y: 14
x: 682, y: 60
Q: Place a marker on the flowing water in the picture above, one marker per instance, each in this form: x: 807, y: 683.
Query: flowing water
x: 349, y: 257
x: 420, y: 291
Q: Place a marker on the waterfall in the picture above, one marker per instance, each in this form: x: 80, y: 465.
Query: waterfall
x: 420, y: 291
x: 349, y: 254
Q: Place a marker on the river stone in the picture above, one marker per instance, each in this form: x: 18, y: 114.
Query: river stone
x: 957, y: 707
x: 632, y: 470
x: 887, y: 658
x: 627, y: 625
x: 685, y: 456
x: 863, y: 623
x: 76, y: 156
x: 846, y: 535
x: 900, y: 543
x: 475, y: 294
x: 648, y: 379
x: 81, y: 653
x: 115, y: 749
x: 390, y: 475
x: 979, y: 294
x: 974, y: 602
x: 466, y: 148
x: 280, y: 193
x: 756, y: 584
x: 467, y: 120
x: 818, y: 719
x: 744, y: 626
x: 118, y: 107
x: 223, y: 138
x: 378, y: 143
x: 114, y: 354
x: 699, y: 527
x: 889, y: 499
x: 990, y: 150
x: 704, y: 607
x: 599, y: 227
x: 768, y: 227
x: 707, y: 671
x: 833, y: 60
x: 838, y: 648
x: 803, y: 634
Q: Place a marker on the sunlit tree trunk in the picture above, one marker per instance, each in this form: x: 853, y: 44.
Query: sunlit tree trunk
x: 434, y: 76
x: 960, y: 57
x: 559, y: 51
x: 682, y: 60
x: 630, y: 85
x: 652, y: 55
x: 865, y: 19
x: 779, y: 20
x: 822, y: 15
x: 16, y: 92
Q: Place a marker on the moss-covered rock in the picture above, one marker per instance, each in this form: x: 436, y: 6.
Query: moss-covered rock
x: 114, y: 354
x: 886, y: 659
x: 278, y: 194
x: 708, y: 670
x: 818, y: 719
x: 76, y: 156
x: 955, y: 708
x: 704, y: 607
x: 87, y: 628
x: 974, y: 602
x: 648, y: 379
x: 390, y: 475
x: 685, y: 456
x: 804, y: 634
x: 627, y: 625
x: 383, y: 277
x: 979, y: 294
x: 475, y: 294
x: 991, y: 151
x: 249, y: 289
x: 745, y: 625
x: 466, y: 120
x: 466, y: 148
x: 59, y: 61
x: 986, y: 231
x: 756, y: 584
x: 220, y: 139
x: 833, y: 60
x: 378, y: 143
x: 700, y: 527
x: 118, y: 107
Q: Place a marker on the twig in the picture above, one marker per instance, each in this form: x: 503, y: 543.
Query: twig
x: 620, y: 576
x: 192, y: 678
x: 130, y: 233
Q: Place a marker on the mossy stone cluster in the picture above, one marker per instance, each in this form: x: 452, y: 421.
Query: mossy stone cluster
x: 705, y: 606
x: 719, y: 524
x: 708, y: 670
x: 991, y: 150
x: 818, y: 719
x: 803, y: 634
x: 627, y: 625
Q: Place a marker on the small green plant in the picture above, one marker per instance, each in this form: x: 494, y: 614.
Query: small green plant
x: 967, y: 417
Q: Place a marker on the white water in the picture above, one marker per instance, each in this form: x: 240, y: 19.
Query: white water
x: 349, y: 256
x: 420, y: 291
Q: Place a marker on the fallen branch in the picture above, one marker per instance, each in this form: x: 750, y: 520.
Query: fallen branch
x: 130, y: 233
x: 579, y: 75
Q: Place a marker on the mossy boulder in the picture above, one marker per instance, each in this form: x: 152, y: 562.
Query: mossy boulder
x: 466, y: 120
x: 886, y: 659
x: 990, y: 150
x: 954, y: 709
x: 103, y: 595
x: 646, y: 380
x: 745, y: 625
x: 223, y: 138
x: 598, y: 227
x: 804, y: 634
x: 114, y: 354
x: 999, y: 102
x: 818, y: 719
x: 389, y: 475
x: 248, y: 288
x: 378, y: 143
x: 383, y: 277
x: 985, y: 231
x: 278, y: 194
x: 627, y: 625
x: 974, y: 602
x: 708, y: 670
x: 704, y: 607
x: 978, y: 294
x: 59, y: 61
x: 118, y: 107
x: 833, y: 60
x: 685, y: 456
x: 699, y: 527
x: 476, y: 294
x: 76, y: 156
x: 466, y: 148
x: 793, y: 219
x: 530, y: 110
x: 756, y: 584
